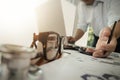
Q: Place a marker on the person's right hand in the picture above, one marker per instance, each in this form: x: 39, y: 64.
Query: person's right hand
x: 102, y: 48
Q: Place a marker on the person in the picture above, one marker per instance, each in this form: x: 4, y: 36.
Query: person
x: 101, y: 15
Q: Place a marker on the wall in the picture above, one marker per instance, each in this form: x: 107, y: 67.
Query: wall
x: 69, y: 16
x: 17, y: 22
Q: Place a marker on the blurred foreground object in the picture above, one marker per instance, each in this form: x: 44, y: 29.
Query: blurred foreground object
x: 15, y: 63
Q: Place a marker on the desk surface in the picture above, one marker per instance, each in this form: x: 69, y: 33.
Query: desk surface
x: 77, y: 66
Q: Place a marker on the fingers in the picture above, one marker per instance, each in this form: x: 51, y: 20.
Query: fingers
x: 100, y: 54
x: 107, y: 47
x: 91, y: 50
x: 103, y: 49
x: 105, y: 32
x: 104, y: 36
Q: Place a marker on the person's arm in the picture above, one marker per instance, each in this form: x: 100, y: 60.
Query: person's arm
x: 81, y: 23
x: 79, y: 33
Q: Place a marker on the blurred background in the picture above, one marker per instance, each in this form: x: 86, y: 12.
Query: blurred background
x: 19, y: 19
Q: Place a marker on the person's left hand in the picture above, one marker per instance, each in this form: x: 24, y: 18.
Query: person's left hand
x: 102, y: 48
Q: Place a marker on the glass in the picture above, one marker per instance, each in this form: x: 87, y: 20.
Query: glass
x: 15, y: 63
x: 50, y: 48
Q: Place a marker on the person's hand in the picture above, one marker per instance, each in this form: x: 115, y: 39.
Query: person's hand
x: 71, y: 39
x: 102, y: 48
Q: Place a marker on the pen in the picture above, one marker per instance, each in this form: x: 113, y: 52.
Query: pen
x: 110, y: 37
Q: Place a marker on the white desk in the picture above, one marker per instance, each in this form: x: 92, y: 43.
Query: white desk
x: 77, y: 65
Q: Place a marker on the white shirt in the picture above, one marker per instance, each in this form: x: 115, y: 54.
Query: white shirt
x: 103, y: 13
